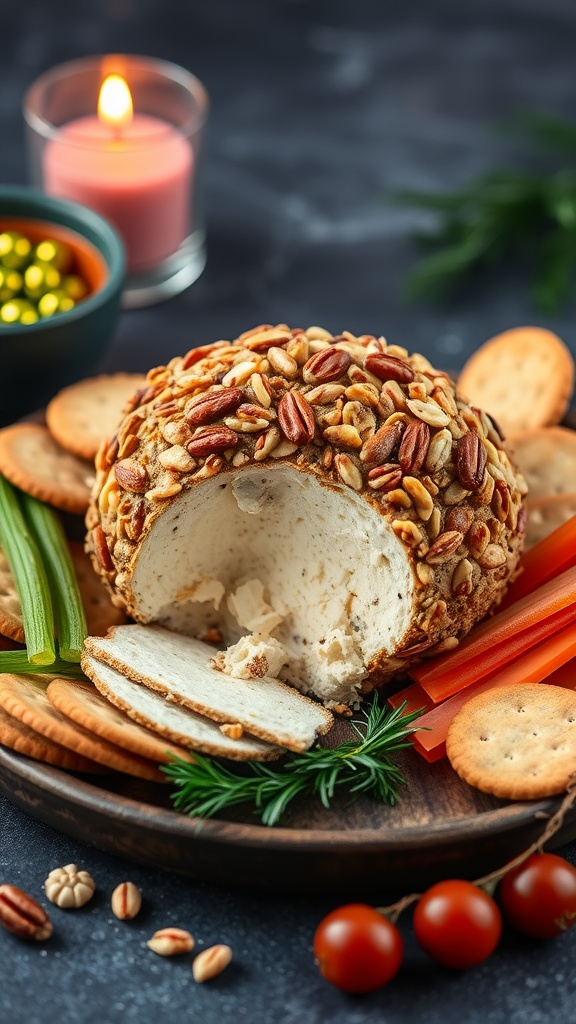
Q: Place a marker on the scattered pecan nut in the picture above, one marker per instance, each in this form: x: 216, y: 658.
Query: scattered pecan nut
x: 23, y: 916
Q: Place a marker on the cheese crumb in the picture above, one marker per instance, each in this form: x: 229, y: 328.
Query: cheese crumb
x: 251, y: 610
x: 253, y: 657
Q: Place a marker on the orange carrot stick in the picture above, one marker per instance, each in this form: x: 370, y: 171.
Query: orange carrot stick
x: 414, y: 696
x: 534, y: 666
x: 551, y: 556
x: 443, y: 676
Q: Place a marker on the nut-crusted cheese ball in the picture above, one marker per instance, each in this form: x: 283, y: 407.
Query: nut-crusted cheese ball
x: 331, y: 498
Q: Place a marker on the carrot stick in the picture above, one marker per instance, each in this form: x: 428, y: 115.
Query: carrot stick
x: 499, y: 655
x: 552, y: 555
x: 414, y: 696
x: 534, y: 666
x: 444, y: 676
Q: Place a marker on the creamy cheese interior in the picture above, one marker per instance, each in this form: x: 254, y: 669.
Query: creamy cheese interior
x: 273, y: 552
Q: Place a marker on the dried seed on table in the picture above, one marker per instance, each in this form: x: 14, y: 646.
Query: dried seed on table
x: 493, y: 557
x: 348, y: 472
x: 211, y: 962
x: 296, y: 418
x: 379, y: 447
x: 326, y: 366
x: 462, y: 583
x: 429, y: 412
x: 283, y: 363
x: 171, y: 942
x: 414, y: 447
x: 470, y: 461
x: 386, y: 477
x: 420, y: 496
x: 213, y: 405
x: 126, y: 901
x: 477, y: 539
x: 344, y: 435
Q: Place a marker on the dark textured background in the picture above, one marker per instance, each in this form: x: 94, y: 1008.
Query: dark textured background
x: 319, y: 109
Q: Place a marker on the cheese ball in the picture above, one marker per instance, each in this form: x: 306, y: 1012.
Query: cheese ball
x: 329, y: 503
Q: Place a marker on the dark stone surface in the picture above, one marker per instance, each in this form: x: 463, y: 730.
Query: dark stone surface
x: 318, y: 110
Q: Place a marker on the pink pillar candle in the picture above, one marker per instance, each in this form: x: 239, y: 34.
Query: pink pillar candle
x: 137, y: 175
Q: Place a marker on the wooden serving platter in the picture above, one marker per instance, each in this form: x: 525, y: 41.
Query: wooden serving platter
x: 440, y: 828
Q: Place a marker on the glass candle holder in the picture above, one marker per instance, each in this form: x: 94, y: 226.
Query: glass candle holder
x: 122, y: 135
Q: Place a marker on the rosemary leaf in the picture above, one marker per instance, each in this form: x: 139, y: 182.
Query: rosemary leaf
x: 360, y: 765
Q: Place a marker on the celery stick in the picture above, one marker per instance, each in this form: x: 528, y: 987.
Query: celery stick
x: 17, y: 662
x: 47, y: 531
x: 30, y: 577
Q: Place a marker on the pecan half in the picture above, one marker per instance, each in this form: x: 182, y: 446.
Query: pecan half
x: 470, y: 460
x: 213, y: 439
x: 389, y: 367
x: 213, y: 405
x: 386, y: 477
x: 23, y: 916
x: 379, y: 447
x: 327, y: 365
x: 296, y: 418
x: 459, y: 518
x: 444, y: 546
x: 101, y: 549
x: 131, y: 476
x: 414, y: 447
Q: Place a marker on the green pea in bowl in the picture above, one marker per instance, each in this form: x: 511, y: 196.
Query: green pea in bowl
x: 54, y: 328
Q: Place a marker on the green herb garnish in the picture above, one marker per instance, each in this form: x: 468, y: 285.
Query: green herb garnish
x: 362, y: 765
x: 507, y: 214
x: 30, y: 577
x: 53, y: 546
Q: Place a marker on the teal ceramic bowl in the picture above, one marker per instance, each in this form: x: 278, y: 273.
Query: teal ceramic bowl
x: 38, y: 359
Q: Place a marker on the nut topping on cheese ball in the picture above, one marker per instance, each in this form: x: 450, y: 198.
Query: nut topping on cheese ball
x: 332, y: 498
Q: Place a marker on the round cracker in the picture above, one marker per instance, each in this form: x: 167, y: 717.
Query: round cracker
x: 31, y: 459
x: 523, y: 377
x: 100, y: 612
x: 25, y: 697
x: 547, y: 460
x: 80, y: 416
x: 19, y: 737
x: 546, y: 514
x: 11, y: 624
x: 88, y: 708
x: 516, y: 742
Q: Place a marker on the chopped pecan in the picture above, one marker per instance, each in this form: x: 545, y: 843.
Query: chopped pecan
x: 213, y: 439
x: 414, y: 447
x: 212, y: 405
x: 379, y: 447
x: 388, y: 367
x: 325, y: 366
x: 296, y: 418
x: 470, y: 460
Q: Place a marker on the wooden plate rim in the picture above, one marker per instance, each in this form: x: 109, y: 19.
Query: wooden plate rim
x: 91, y: 797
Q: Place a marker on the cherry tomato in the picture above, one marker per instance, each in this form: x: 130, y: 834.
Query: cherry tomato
x: 357, y: 949
x: 539, y: 897
x: 457, y: 924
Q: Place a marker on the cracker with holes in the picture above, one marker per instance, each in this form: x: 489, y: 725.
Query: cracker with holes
x: 516, y: 742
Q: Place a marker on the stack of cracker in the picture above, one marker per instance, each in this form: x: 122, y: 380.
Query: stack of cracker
x: 525, y: 379
x: 143, y: 708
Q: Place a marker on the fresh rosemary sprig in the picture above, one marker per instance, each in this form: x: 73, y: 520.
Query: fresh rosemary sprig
x: 531, y: 215
x: 362, y: 765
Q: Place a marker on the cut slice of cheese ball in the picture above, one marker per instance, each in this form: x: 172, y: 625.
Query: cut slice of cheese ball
x: 333, y: 492
x: 175, y: 723
x: 179, y: 668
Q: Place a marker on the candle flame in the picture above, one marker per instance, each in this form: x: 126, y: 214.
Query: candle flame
x: 115, y: 102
